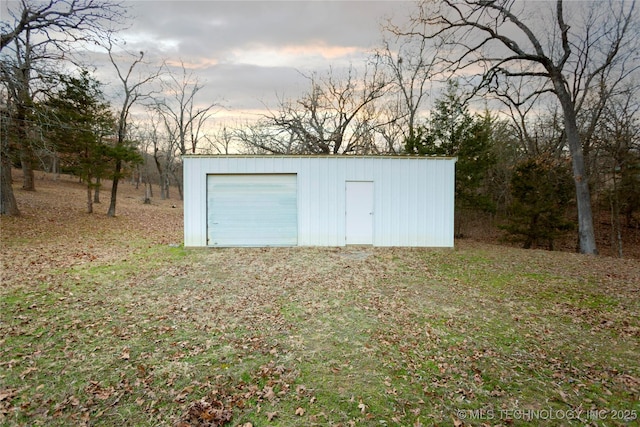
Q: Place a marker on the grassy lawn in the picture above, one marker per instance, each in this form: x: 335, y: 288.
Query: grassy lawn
x: 114, y: 327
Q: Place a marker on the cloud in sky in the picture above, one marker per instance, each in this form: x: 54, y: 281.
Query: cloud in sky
x: 249, y: 52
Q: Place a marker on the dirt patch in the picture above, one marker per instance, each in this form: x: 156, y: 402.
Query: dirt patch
x: 356, y: 254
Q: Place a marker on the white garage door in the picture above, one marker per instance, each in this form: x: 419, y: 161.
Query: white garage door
x: 252, y: 210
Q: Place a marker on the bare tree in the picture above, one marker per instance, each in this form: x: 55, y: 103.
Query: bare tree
x: 391, y: 135
x: 143, y: 134
x: 132, y: 92
x: 184, y: 121
x: 70, y: 19
x: 181, y: 113
x: 263, y: 138
x: 504, y: 39
x: 42, y: 32
x: 163, y: 143
x: 29, y: 67
x: 17, y: 73
x: 616, y: 140
x: 334, y: 117
x: 538, y: 125
x: 411, y: 61
x: 221, y: 142
x: 8, y: 205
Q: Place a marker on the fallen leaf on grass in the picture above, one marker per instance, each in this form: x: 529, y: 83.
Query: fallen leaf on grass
x: 182, y: 396
x: 269, y: 393
x: 125, y: 354
x: 563, y: 396
x: 7, y: 393
x: 271, y: 415
x: 27, y: 371
x: 209, y: 413
x: 300, y: 411
x: 100, y: 392
x: 314, y: 418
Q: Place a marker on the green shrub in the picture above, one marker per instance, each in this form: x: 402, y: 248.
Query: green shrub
x: 542, y: 190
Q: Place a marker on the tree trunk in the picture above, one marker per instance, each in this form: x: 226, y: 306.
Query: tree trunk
x: 23, y: 108
x: 89, y: 198
x: 586, y: 233
x: 163, y: 188
x: 179, y: 184
x: 616, y: 232
x: 8, y: 205
x: 114, y: 189
x: 26, y: 152
x: 147, y: 193
x: 162, y: 176
x: 55, y: 167
x: 96, y: 192
x: 167, y: 186
x: 28, y: 181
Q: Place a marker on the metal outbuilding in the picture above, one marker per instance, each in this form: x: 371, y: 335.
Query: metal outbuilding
x: 318, y: 201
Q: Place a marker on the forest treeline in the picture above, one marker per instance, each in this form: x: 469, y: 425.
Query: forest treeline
x: 541, y: 109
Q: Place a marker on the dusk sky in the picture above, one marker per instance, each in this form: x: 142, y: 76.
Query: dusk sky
x: 249, y: 53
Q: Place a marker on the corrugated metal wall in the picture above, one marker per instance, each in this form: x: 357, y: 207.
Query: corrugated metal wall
x: 414, y: 197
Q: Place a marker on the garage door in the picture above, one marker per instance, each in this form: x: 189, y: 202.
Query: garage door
x: 252, y: 210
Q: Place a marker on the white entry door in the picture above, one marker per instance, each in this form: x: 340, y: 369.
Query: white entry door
x: 359, y: 213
